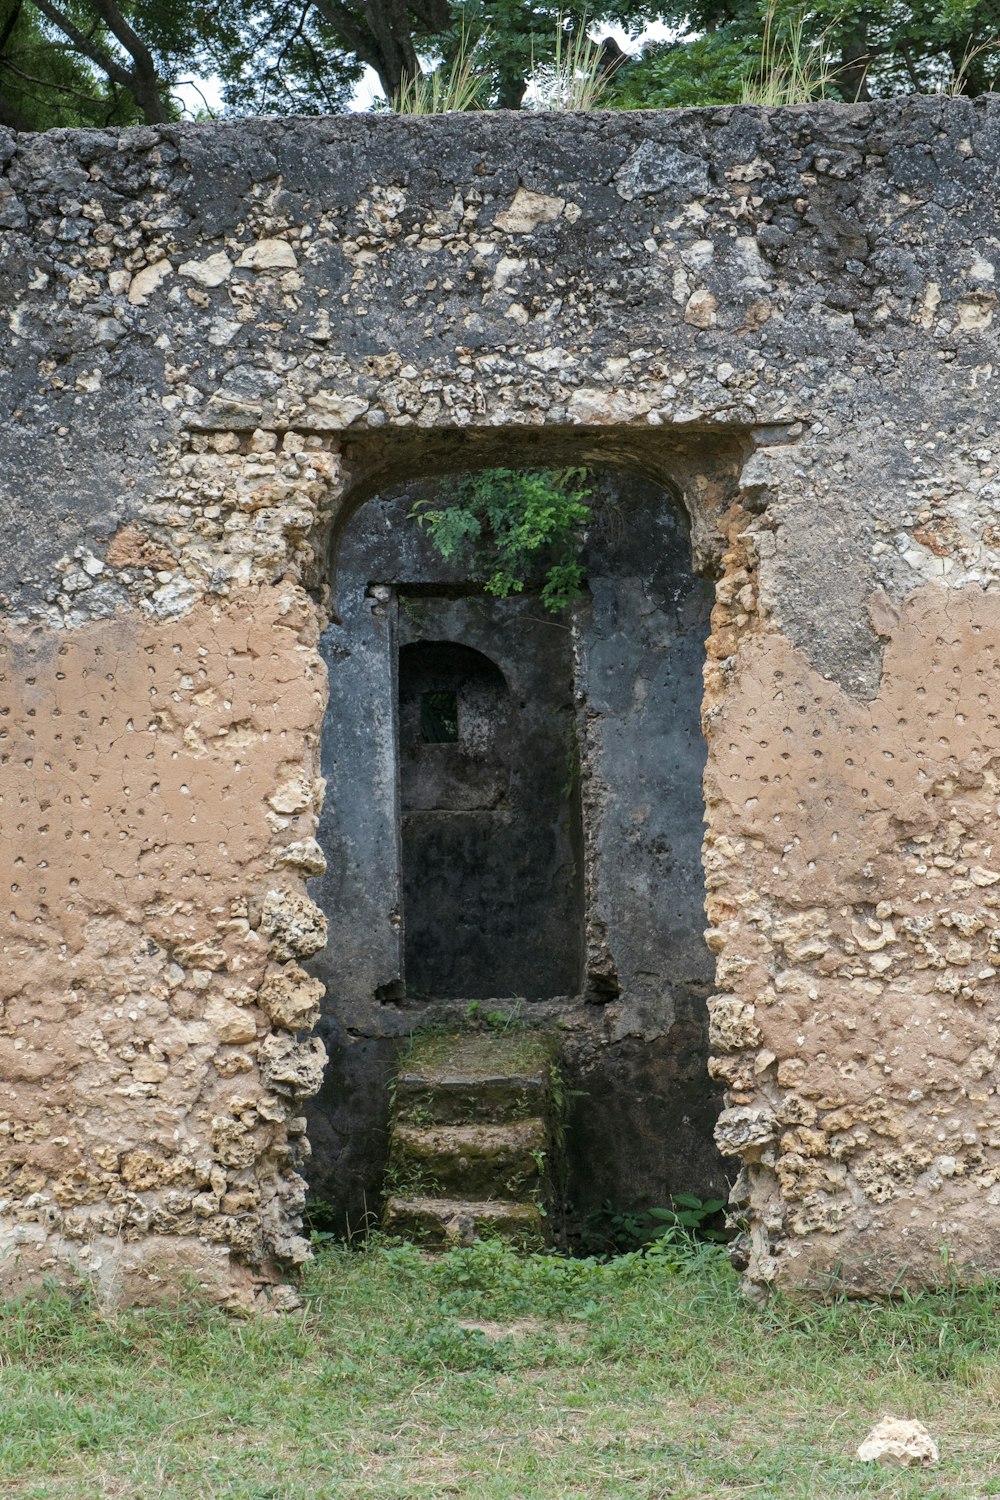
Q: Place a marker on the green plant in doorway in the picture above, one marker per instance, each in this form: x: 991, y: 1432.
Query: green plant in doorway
x: 510, y: 524
x: 688, y: 1221
x: 698, y: 1217
x: 320, y: 1221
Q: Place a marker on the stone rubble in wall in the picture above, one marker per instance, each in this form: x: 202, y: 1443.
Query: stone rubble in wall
x: 813, y: 1161
x: 233, y: 518
x: 115, y: 264
x: 242, y: 1191
x: 956, y: 530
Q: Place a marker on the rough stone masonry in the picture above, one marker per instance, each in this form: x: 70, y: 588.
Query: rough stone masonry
x: 218, y: 341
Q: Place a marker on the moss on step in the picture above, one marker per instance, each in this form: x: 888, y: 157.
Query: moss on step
x: 480, y: 1054
x: 491, y: 1161
x: 441, y: 1222
x: 474, y: 1124
x: 462, y: 1098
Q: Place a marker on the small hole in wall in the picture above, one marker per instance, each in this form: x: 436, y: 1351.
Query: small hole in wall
x: 439, y: 717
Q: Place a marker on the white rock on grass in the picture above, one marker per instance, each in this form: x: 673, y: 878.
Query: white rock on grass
x: 898, y: 1442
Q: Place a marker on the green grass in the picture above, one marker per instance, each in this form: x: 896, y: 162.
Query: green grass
x: 480, y: 1054
x: 488, y: 1375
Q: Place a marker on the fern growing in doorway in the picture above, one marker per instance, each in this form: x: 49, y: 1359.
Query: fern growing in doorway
x: 506, y: 522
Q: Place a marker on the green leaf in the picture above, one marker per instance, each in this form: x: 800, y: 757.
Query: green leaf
x: 513, y: 529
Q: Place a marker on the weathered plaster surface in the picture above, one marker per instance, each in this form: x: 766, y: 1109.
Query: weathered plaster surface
x: 157, y: 806
x: 858, y: 922
x: 221, y: 338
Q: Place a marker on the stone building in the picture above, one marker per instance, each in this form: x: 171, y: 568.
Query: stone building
x: 228, y: 350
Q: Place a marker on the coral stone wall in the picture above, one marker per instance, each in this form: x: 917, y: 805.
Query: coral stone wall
x: 156, y: 783
x: 219, y: 339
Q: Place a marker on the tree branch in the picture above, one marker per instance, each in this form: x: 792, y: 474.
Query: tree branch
x: 147, y: 84
x: 379, y: 33
x: 907, y: 56
x: 84, y: 43
x: 48, y: 83
x: 344, y: 21
x: 151, y: 104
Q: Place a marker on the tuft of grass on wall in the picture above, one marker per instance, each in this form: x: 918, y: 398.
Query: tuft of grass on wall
x: 458, y: 85
x: 790, y: 70
x: 576, y: 78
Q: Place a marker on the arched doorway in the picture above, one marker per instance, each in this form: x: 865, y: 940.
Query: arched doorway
x: 585, y: 727
x: 489, y: 832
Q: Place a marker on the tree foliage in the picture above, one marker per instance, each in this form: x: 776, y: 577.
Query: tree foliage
x: 84, y: 62
x: 509, y: 526
x: 858, y: 49
x: 44, y: 84
x: 106, y: 61
x: 118, y: 61
x: 709, y: 69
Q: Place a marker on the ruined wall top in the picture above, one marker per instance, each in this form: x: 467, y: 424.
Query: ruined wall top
x: 724, y: 267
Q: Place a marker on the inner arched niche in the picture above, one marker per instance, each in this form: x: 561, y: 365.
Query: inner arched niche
x: 490, y: 856
x: 634, y: 1024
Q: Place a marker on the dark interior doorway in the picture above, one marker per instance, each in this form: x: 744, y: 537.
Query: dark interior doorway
x: 514, y: 813
x: 489, y: 815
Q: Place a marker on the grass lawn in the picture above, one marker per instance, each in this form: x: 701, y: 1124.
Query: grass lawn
x: 497, y: 1377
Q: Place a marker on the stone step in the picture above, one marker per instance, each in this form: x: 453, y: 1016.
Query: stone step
x: 443, y: 1222
x: 451, y: 1078
x: 472, y: 1127
x: 457, y: 1097
x: 470, y: 1161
